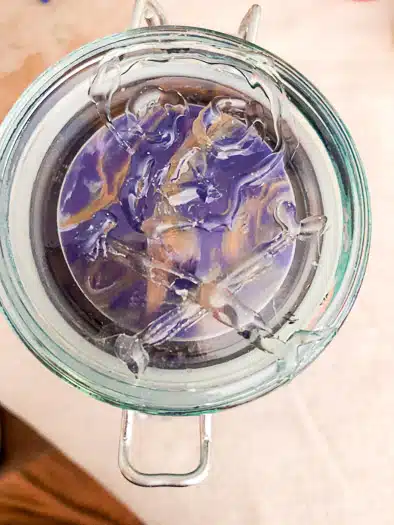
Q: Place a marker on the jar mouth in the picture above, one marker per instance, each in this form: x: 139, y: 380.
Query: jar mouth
x: 46, y: 337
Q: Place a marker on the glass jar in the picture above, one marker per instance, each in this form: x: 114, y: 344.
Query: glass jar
x: 37, y: 137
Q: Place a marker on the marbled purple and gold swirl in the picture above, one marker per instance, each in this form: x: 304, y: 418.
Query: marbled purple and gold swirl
x: 190, y: 197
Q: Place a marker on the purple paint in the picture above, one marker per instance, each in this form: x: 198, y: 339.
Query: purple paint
x: 236, y: 170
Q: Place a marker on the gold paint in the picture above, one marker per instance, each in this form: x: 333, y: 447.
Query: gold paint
x: 174, y: 246
x: 200, y: 138
x: 156, y: 290
x: 189, y: 143
x: 105, y: 198
x: 149, y: 226
x: 204, y: 137
x: 183, y: 243
x: 206, y: 292
x: 235, y: 241
x: 155, y: 293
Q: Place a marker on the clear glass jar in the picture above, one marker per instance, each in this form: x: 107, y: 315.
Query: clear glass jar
x: 42, y: 123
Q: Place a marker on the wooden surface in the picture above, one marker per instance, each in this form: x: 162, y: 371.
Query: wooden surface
x: 50, y: 490
x: 39, y: 486
x: 19, y: 443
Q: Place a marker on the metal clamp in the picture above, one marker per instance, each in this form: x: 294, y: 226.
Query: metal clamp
x: 249, y: 27
x: 166, y: 479
x: 151, y: 12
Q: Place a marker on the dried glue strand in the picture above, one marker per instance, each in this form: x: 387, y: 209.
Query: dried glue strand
x: 264, y: 254
x: 219, y: 298
x: 102, y: 89
x: 190, y: 169
x: 223, y: 300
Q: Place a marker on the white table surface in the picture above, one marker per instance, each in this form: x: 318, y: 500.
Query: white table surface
x: 319, y: 451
